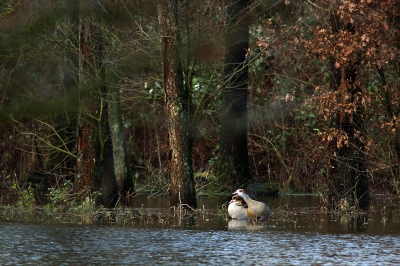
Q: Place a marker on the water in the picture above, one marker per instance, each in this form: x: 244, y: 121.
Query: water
x: 97, y: 245
x: 297, y: 233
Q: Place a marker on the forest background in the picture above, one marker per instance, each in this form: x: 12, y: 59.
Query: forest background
x: 322, y: 95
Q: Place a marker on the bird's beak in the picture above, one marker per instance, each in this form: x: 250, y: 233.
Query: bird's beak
x: 234, y: 193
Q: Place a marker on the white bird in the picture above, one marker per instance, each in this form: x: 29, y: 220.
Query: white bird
x: 237, y: 208
x: 256, y: 210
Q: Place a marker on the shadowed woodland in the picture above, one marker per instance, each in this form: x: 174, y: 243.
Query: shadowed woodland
x: 188, y: 98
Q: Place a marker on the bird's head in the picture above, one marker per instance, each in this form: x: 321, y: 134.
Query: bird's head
x: 240, y: 192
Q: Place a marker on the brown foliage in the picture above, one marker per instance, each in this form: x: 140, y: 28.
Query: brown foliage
x: 362, y: 31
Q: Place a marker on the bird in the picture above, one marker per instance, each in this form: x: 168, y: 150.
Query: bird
x: 256, y: 210
x: 237, y: 208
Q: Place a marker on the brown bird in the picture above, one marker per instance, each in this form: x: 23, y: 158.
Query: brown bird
x: 256, y: 210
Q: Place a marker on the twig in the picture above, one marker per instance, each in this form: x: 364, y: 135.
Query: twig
x: 314, y: 4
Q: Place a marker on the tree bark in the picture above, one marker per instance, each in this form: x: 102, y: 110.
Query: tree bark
x: 234, y: 162
x: 108, y: 175
x: 88, y: 147
x: 122, y: 170
x: 95, y: 163
x: 123, y: 173
x: 176, y: 107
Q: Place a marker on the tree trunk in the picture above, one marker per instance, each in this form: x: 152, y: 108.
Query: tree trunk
x: 88, y: 147
x: 123, y: 174
x: 95, y: 163
x: 350, y: 181
x: 122, y: 170
x: 108, y: 176
x: 234, y: 161
x: 176, y: 106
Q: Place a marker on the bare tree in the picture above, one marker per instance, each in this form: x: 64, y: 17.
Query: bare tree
x: 180, y: 143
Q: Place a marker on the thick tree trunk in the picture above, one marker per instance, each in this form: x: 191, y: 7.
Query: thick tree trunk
x: 176, y: 100
x: 123, y: 174
x: 234, y: 162
x: 87, y: 167
x: 122, y: 170
x: 349, y: 186
x: 108, y: 176
x: 95, y: 162
x: 88, y: 148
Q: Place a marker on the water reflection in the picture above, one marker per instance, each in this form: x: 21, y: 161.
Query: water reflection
x: 248, y: 225
x: 347, y: 223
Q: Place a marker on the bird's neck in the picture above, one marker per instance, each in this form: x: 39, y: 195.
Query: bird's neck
x: 246, y: 198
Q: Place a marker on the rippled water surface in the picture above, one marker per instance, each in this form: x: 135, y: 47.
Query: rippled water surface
x: 292, y: 237
x: 77, y: 245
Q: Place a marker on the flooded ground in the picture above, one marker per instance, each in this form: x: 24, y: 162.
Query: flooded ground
x: 148, y: 233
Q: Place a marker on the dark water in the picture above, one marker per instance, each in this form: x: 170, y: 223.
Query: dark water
x: 78, y: 245
x: 299, y: 232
